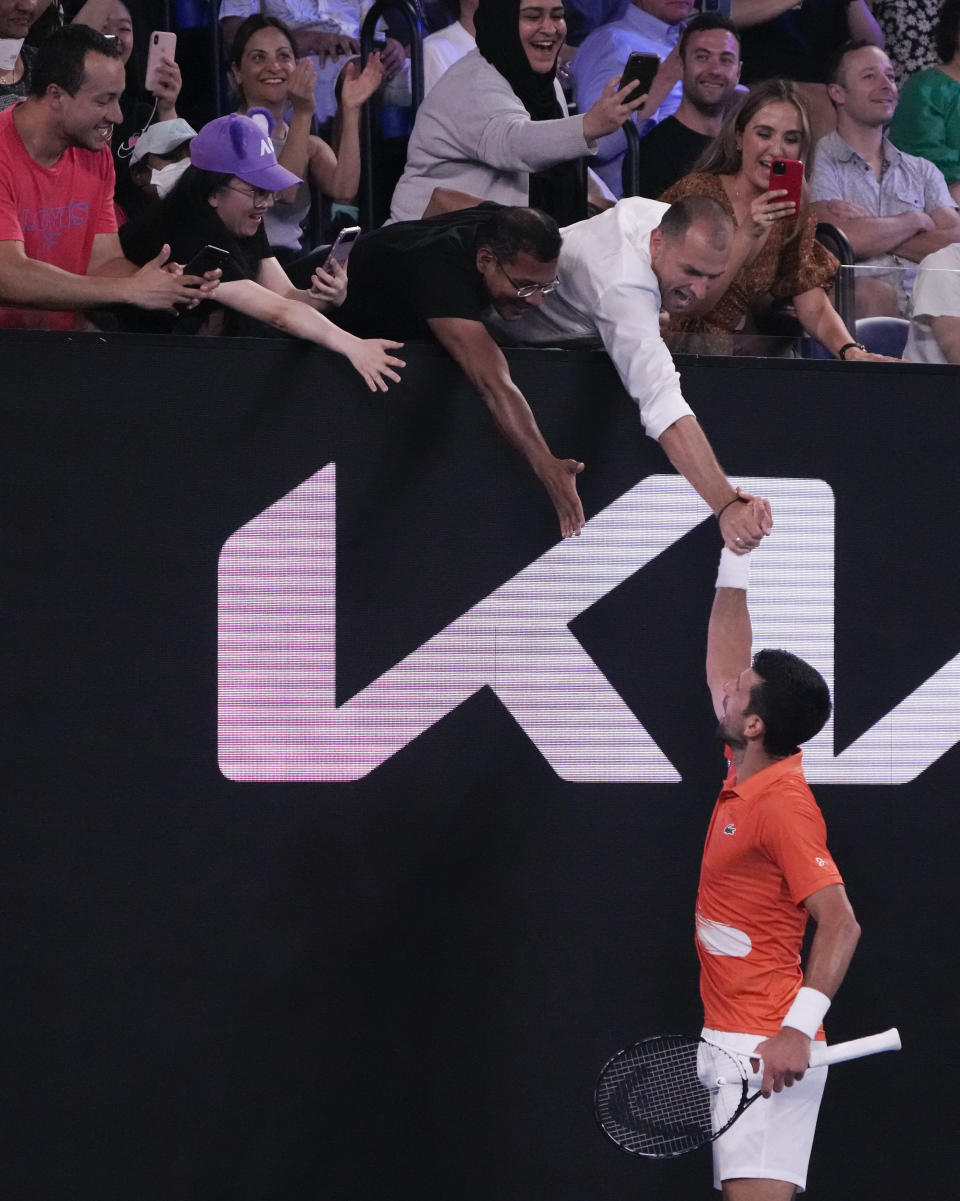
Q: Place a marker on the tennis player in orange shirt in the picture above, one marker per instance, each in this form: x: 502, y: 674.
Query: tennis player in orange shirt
x: 766, y: 870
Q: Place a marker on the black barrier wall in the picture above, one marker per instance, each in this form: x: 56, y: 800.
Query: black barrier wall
x: 401, y: 979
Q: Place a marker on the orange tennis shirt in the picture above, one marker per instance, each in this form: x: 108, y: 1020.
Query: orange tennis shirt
x: 766, y: 852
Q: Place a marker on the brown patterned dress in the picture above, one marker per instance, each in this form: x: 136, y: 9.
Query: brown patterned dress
x: 791, y: 262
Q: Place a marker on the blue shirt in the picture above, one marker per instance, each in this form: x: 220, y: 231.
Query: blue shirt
x: 604, y: 54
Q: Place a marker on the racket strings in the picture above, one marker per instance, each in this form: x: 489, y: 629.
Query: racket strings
x: 653, y: 1101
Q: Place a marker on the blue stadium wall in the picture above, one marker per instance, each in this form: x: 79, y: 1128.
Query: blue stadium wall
x: 351, y: 821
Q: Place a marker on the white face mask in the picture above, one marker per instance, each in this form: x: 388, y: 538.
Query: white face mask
x: 164, y: 179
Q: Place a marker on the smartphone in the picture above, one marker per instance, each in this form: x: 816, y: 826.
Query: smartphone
x: 162, y: 45
x: 642, y: 67
x: 340, y: 250
x: 207, y: 258
x: 788, y: 173
x: 9, y: 52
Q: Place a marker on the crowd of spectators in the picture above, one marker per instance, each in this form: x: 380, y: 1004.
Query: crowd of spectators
x: 108, y: 192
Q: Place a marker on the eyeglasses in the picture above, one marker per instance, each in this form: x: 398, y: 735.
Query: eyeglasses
x: 258, y: 195
x: 525, y: 290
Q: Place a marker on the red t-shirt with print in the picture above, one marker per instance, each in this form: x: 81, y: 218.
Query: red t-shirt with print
x: 56, y: 212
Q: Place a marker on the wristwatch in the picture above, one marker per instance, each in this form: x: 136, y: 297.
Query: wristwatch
x: 842, y: 352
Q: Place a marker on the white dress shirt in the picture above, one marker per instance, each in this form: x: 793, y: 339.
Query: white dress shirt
x: 608, y: 288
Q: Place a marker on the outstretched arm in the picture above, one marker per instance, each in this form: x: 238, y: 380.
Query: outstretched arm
x: 787, y: 1054
x: 110, y: 279
x: 729, y: 634
x: 483, y: 363
x: 744, y: 522
x: 371, y: 357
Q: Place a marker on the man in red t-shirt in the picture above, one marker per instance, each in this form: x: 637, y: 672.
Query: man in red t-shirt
x: 59, y: 250
x: 766, y: 869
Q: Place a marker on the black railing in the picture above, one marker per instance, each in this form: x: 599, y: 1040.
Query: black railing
x: 844, y: 285
x: 379, y: 171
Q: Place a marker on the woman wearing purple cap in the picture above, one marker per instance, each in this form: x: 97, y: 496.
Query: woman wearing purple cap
x: 220, y: 201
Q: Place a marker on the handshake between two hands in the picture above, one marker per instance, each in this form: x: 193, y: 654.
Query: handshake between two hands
x: 744, y: 522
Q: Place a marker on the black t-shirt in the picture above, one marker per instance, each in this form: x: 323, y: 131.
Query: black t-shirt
x: 187, y: 226
x: 797, y: 44
x: 667, y: 153
x: 403, y: 274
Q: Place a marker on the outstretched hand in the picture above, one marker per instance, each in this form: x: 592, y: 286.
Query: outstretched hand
x: 745, y: 523
x: 559, y: 477
x: 372, y: 359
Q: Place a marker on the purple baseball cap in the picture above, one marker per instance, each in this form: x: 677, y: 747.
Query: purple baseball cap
x: 235, y: 145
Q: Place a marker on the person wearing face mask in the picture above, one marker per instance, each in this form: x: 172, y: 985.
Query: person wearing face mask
x: 495, y: 126
x: 160, y: 156
x: 220, y: 201
x: 775, y: 251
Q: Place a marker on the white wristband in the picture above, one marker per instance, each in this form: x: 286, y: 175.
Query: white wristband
x: 807, y: 1011
x: 734, y: 570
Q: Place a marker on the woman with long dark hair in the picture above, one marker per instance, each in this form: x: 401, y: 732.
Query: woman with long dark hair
x: 496, y: 125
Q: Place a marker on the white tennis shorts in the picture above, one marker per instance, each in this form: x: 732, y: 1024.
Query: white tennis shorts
x: 772, y: 1139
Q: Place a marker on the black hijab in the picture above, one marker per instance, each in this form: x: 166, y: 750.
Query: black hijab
x: 559, y: 189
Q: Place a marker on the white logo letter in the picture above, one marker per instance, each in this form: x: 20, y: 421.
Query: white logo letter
x: 278, y: 719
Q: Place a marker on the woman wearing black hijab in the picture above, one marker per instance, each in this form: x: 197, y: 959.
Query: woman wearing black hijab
x: 495, y: 125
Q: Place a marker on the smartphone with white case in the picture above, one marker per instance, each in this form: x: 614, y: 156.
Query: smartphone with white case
x: 162, y: 45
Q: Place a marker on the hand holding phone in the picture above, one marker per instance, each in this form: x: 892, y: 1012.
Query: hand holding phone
x: 642, y: 68
x: 788, y: 173
x: 340, y: 250
x: 207, y: 258
x: 329, y: 285
x: 162, y: 45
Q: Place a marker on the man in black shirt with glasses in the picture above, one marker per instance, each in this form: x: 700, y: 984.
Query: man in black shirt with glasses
x: 440, y: 277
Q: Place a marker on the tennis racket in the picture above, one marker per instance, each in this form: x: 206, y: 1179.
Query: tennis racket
x: 670, y: 1094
